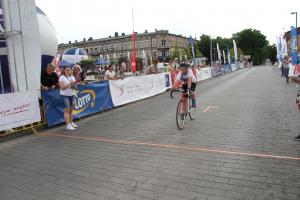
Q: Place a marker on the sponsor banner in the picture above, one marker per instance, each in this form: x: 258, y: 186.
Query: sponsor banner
x: 294, y: 44
x: 225, y: 69
x: 234, y: 67
x: 19, y: 109
x: 135, y: 88
x: 294, y: 70
x: 89, y: 99
x: 215, y: 70
x: 203, y: 73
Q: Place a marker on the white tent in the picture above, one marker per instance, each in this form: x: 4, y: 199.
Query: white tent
x: 23, y: 44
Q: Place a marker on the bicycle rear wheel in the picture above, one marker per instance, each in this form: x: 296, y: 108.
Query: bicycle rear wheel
x: 180, y: 116
x: 192, y: 111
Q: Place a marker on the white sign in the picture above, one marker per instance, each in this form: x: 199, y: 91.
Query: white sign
x: 135, y: 88
x: 19, y: 109
x: 203, y: 74
x: 234, y: 67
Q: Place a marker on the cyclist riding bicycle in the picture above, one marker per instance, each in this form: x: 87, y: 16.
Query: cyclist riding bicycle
x: 188, y: 81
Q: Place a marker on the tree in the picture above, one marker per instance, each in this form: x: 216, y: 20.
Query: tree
x: 204, y: 45
x: 239, y: 52
x: 251, y: 42
x: 87, y: 64
x: 269, y: 52
x: 175, y: 52
x: 189, y: 54
x: 198, y: 52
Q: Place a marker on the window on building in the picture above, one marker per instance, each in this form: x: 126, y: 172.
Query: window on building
x: 154, y: 43
x: 163, y: 53
x: 163, y: 43
x: 154, y: 53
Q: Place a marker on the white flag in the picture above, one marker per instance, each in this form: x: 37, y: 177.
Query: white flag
x: 235, y: 51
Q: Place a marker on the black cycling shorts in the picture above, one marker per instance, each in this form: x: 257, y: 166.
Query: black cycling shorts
x: 185, y: 86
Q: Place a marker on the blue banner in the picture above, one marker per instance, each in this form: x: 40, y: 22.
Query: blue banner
x: 225, y: 69
x: 215, y: 70
x: 294, y: 44
x: 89, y: 99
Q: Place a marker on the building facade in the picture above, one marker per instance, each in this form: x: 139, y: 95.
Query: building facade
x: 149, y: 45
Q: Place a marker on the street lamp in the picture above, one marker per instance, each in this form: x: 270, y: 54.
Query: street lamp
x: 296, y: 19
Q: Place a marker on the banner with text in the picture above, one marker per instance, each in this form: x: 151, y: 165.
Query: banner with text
x: 19, y: 109
x: 135, y: 88
x: 90, y: 98
x: 225, y: 69
x: 203, y: 74
x: 234, y: 66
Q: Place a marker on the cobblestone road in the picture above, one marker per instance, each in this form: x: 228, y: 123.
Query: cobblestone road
x: 241, y: 148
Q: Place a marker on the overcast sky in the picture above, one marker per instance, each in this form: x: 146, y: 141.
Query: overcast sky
x: 76, y: 19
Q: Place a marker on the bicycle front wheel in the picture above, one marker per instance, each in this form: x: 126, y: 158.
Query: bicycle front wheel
x: 192, y: 112
x: 180, y: 116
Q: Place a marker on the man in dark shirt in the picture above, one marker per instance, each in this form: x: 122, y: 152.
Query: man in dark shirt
x: 49, y: 79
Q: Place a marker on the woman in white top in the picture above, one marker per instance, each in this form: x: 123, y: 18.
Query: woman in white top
x: 110, y: 74
x: 67, y: 85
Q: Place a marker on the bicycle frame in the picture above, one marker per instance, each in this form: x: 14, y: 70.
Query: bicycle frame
x: 184, y: 108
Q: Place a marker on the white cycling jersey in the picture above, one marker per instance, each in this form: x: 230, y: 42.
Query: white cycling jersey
x: 185, y: 77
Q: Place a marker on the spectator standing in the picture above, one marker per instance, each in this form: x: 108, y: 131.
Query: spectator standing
x: 285, y: 68
x: 67, y: 85
x: 49, y: 79
x: 170, y: 67
x: 152, y: 69
x: 78, y: 74
x: 110, y: 73
x: 123, y: 70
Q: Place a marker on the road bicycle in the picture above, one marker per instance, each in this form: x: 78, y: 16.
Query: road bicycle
x: 184, y: 108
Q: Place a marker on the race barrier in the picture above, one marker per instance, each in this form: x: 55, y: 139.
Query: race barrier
x: 234, y: 66
x: 19, y: 109
x: 136, y: 88
x: 225, y: 69
x: 90, y: 98
x: 203, y: 73
x: 215, y: 71
x: 95, y: 97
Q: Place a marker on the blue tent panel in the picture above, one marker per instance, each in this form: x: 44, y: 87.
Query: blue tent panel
x: 102, y: 62
x: 64, y: 63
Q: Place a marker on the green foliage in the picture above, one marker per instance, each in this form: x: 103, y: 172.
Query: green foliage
x: 87, y: 64
x: 189, y: 54
x: 175, y: 52
x: 269, y: 52
x: 251, y: 42
x: 204, y: 46
x: 239, y: 52
x: 198, y: 52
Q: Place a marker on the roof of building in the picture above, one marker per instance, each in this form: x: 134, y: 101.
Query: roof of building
x: 110, y: 38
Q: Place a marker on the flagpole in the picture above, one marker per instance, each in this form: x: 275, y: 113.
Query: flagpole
x: 132, y: 20
x: 133, y: 58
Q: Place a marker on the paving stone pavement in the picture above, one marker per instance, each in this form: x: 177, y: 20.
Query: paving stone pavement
x: 135, y: 152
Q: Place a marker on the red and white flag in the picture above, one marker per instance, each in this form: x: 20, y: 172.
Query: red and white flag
x: 133, y: 56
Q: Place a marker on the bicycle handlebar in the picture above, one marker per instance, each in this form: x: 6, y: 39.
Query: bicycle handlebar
x: 171, y: 93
